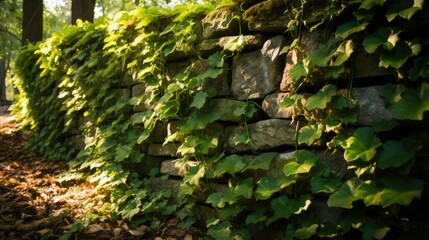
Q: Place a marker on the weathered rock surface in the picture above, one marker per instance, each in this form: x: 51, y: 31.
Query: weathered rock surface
x: 258, y: 73
x: 146, y: 94
x: 264, y: 135
x: 270, y: 105
x: 221, y: 84
x: 366, y: 66
x: 370, y: 105
x: 147, y: 164
x: 222, y: 22
x: 225, y: 108
x: 160, y: 150
x: 210, y: 46
x: 274, y: 15
x: 176, y: 167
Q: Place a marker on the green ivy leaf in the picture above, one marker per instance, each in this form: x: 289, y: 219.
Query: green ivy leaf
x: 397, y: 57
x: 193, y: 176
x: 266, y: 187
x: 412, y: 103
x: 244, y: 188
x: 420, y: 69
x: 319, y: 57
x: 395, y: 154
x: 284, y: 207
x: 297, y: 71
x: 400, y: 191
x: 221, y: 230
x: 257, y: 216
x: 343, y: 53
x: 199, y: 100
x: 346, y: 29
x: 122, y: 152
x: 345, y: 195
x: 372, y: 231
x: 262, y: 161
x: 368, y: 4
x: 321, y: 184
x: 362, y: 145
x: 231, y: 164
x: 220, y: 199
x: 382, y: 37
x: 305, y: 161
x: 369, y: 193
x: 403, y: 8
x: 306, y: 231
x: 308, y: 134
x: 321, y: 98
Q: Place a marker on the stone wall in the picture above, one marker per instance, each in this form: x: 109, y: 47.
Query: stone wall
x: 259, y: 75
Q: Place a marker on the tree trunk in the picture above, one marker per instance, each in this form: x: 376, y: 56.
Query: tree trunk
x: 32, y: 21
x: 3, y: 80
x: 83, y: 9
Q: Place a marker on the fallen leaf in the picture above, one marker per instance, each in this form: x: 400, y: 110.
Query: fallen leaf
x: 140, y: 231
x: 45, y: 231
x: 93, y: 228
x: 16, y: 164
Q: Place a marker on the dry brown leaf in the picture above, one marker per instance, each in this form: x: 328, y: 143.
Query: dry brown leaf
x: 93, y: 228
x: 140, y: 231
x: 44, y: 231
x: 16, y: 164
x: 188, y: 237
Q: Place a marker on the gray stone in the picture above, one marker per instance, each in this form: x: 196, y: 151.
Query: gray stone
x: 145, y: 96
x: 173, y: 69
x: 160, y: 150
x: 309, y: 42
x: 210, y: 46
x: 159, y: 133
x: 220, y: 84
x: 336, y: 162
x: 371, y: 108
x: 176, y: 167
x: 200, y: 193
x: 258, y: 73
x: 225, y: 108
x: 147, y: 164
x: 222, y: 21
x: 128, y: 80
x: 264, y: 135
x: 277, y: 164
x: 366, y: 66
x: 270, y: 105
x: 274, y: 15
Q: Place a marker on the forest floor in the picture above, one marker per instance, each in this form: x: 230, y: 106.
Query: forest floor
x: 35, y: 205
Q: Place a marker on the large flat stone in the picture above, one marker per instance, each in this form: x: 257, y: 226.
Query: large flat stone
x: 258, y: 73
x: 221, y: 83
x: 274, y: 15
x: 270, y: 105
x: 176, y: 167
x: 371, y: 108
x: 222, y: 21
x: 210, y: 46
x: 264, y: 135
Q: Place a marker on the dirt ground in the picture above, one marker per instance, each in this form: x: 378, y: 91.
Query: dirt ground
x: 34, y: 205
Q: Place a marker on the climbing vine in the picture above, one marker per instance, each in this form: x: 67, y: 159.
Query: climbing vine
x: 79, y: 81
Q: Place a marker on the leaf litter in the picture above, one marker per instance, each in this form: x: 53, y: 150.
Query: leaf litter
x: 35, y: 205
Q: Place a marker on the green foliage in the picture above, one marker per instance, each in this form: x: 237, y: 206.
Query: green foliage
x: 79, y: 80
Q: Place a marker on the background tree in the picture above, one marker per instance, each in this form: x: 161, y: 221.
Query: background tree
x: 82, y: 9
x: 32, y: 21
x: 10, y: 41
